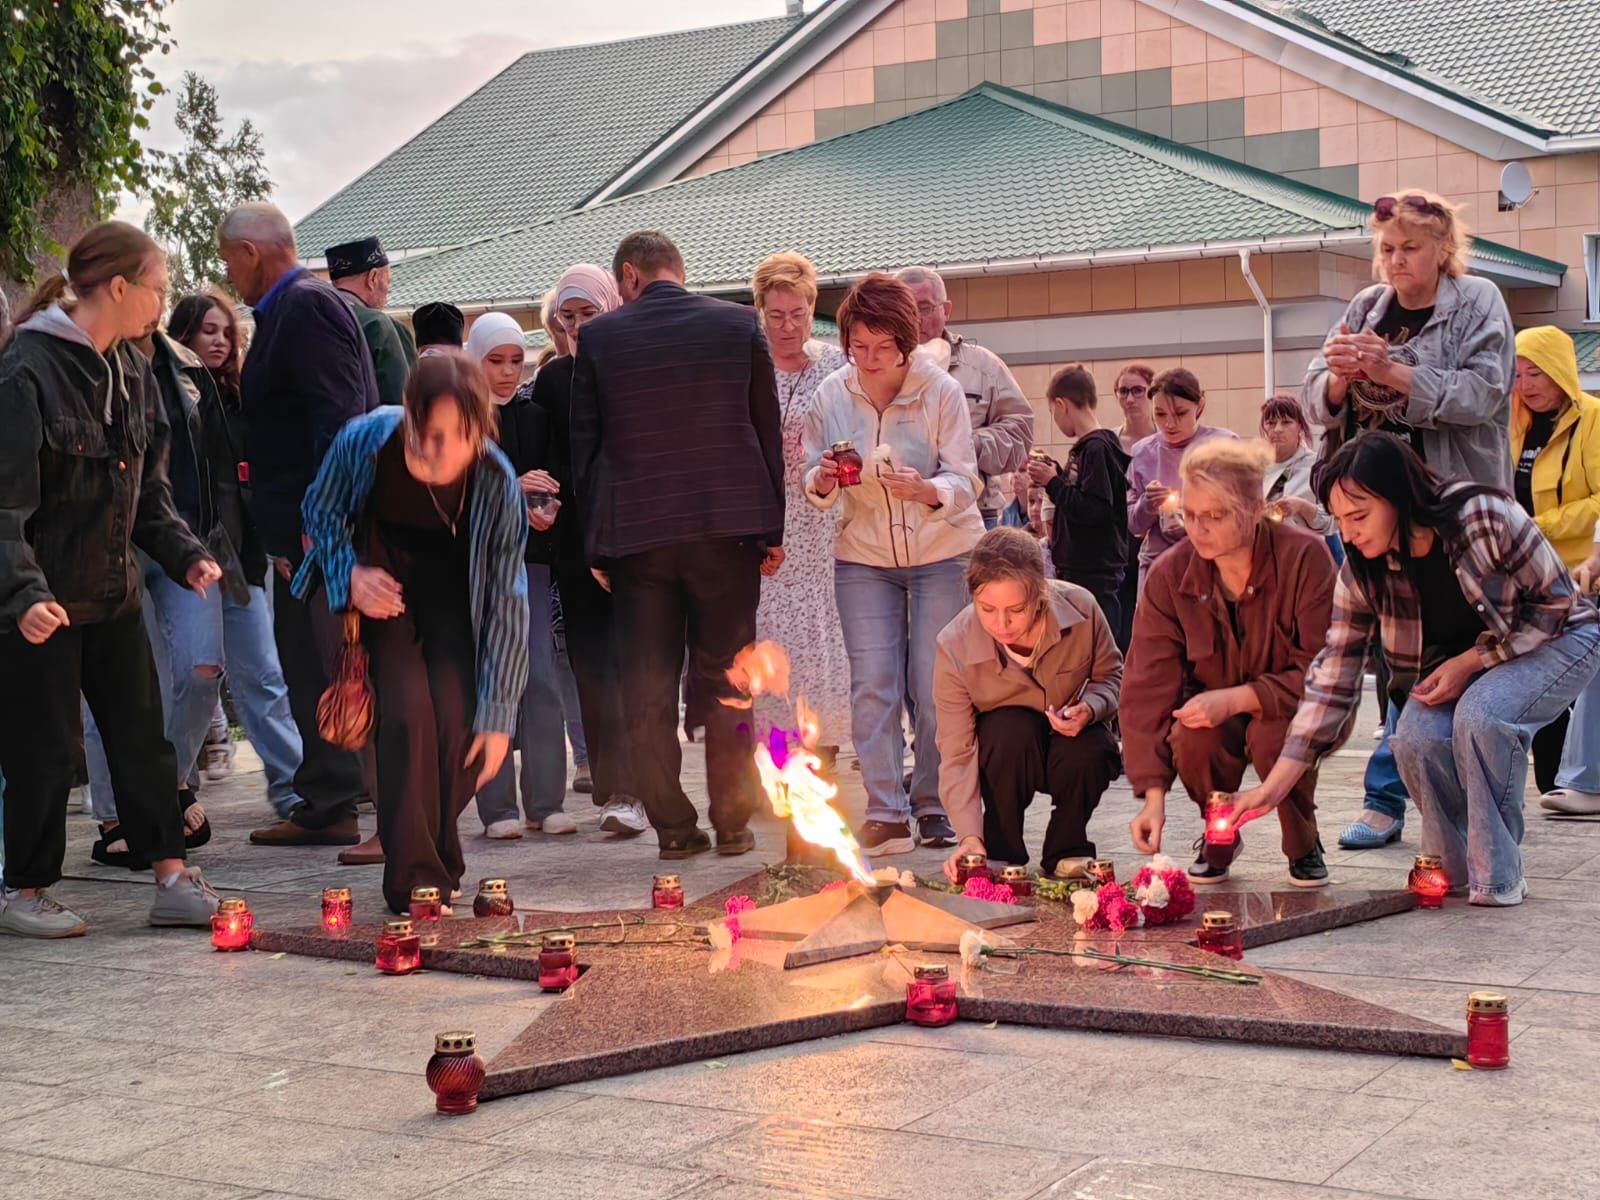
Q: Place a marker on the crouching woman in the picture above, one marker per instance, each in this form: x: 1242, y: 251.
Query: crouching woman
x: 416, y: 521
x: 1025, y: 679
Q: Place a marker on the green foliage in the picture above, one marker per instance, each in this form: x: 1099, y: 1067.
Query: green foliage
x: 194, y: 188
x: 75, y: 88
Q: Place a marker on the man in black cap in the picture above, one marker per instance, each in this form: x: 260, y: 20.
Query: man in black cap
x: 438, y: 326
x: 360, y: 272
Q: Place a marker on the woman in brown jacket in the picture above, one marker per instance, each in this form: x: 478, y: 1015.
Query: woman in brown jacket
x: 1024, y: 680
x: 1228, y: 621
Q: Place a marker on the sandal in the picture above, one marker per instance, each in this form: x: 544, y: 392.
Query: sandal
x: 202, y: 833
x: 101, y: 852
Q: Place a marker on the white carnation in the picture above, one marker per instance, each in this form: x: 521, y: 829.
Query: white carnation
x: 907, y: 879
x: 972, y: 944
x: 1154, y: 893
x: 721, y: 938
x: 1085, y: 904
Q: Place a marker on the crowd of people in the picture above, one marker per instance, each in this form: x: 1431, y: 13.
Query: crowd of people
x: 573, y: 549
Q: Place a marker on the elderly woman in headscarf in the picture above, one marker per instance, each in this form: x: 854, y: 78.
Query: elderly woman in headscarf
x: 583, y: 293
x: 1555, y: 465
x: 496, y: 344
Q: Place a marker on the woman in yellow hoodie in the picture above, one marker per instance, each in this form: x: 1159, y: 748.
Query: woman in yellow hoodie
x: 1555, y: 460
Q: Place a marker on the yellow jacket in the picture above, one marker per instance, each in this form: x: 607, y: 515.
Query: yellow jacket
x: 1566, y: 475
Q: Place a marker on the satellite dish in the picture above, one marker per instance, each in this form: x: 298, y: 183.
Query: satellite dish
x: 1516, y: 186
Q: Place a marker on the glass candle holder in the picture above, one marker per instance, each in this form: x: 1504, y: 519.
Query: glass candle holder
x: 399, y: 949
x: 425, y: 904
x: 558, y: 969
x: 231, y: 924
x: 540, y: 501
x: 667, y: 892
x: 1428, y: 881
x: 849, y: 462
x: 493, y: 899
x: 1221, y: 838
x: 1171, y: 511
x: 1016, y: 878
x: 972, y: 866
x: 1488, y: 1031
x: 455, y: 1072
x: 1220, y: 934
x: 1102, y: 871
x: 931, y: 996
x: 337, y: 910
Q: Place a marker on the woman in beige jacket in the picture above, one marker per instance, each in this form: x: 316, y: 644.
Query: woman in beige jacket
x: 907, y: 518
x: 1025, y: 682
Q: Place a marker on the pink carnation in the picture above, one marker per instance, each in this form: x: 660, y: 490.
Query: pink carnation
x: 985, y: 889
x: 834, y: 886
x: 738, y: 904
x: 1116, y: 910
x: 1180, y: 900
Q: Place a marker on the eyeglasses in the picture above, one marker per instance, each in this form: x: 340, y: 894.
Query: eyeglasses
x: 784, y: 320
x: 1204, y: 520
x: 1384, y: 207
x: 1132, y: 393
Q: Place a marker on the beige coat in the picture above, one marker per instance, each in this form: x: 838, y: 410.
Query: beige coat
x: 1002, y: 418
x: 972, y: 673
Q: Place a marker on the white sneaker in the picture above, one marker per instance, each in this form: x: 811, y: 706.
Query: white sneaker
x: 188, y: 900
x: 219, y: 760
x: 503, y: 831
x: 624, y: 814
x: 78, y: 799
x: 559, y: 823
x: 39, y: 916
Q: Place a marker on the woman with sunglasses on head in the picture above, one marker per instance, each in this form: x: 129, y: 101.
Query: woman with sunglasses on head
x: 1486, y: 640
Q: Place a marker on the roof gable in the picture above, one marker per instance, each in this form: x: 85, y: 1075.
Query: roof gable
x: 459, y: 178
x: 993, y: 177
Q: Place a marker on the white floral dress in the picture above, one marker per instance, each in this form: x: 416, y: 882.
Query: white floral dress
x: 797, y: 606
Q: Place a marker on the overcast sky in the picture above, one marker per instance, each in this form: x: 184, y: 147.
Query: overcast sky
x: 334, y: 85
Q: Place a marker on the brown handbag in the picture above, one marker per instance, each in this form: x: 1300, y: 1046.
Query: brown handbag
x: 345, y: 712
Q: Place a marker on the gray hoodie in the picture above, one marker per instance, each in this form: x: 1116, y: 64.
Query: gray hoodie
x: 55, y: 322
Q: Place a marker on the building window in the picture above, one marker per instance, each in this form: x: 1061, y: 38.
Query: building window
x: 1591, y: 266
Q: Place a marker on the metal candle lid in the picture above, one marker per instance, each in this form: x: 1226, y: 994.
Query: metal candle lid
x: 1038, y: 456
x: 399, y: 927
x: 840, y: 447
x: 456, y: 1041
x: 1429, y: 862
x: 935, y: 972
x: 1487, y: 1002
x: 339, y: 894
x: 425, y: 895
x: 974, y: 860
x: 494, y: 887
x: 1102, y: 866
x: 667, y: 881
x: 560, y: 941
x: 233, y: 906
x: 1013, y: 874
x: 1219, y: 800
x: 1216, y: 920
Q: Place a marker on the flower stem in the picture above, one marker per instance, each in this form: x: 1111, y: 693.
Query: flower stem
x: 1221, y: 974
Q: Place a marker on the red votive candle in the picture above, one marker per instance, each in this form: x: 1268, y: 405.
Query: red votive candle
x: 230, y: 925
x: 1428, y: 881
x: 972, y: 866
x: 493, y: 899
x: 667, y: 892
x: 848, y: 460
x: 1488, y: 1031
x: 425, y: 904
x: 1016, y: 878
x: 455, y: 1072
x: 1220, y: 934
x: 337, y: 909
x: 1221, y: 838
x: 558, y: 970
x: 399, y: 949
x: 1102, y: 870
x: 931, y: 996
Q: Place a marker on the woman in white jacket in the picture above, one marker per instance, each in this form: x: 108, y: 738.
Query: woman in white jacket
x: 905, y: 530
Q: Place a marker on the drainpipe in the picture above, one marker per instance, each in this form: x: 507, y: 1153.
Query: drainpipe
x: 1266, y: 315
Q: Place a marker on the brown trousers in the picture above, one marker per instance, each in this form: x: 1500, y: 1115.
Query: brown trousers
x: 1213, y: 760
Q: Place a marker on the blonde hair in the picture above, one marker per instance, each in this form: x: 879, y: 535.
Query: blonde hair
x: 1235, y: 468
x: 1428, y: 213
x: 785, y: 269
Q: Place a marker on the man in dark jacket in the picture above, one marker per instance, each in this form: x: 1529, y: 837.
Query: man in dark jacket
x: 360, y: 273
x: 308, y: 372
x: 677, y: 460
x: 1089, y: 536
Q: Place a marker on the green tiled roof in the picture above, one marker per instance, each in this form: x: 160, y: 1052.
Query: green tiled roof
x: 1529, y: 60
x: 1587, y: 344
x: 992, y: 176
x: 462, y: 177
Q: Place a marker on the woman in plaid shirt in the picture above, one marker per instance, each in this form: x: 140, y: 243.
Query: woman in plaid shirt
x: 1486, y: 640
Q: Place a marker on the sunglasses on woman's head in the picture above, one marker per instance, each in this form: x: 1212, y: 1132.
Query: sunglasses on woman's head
x: 1384, y: 207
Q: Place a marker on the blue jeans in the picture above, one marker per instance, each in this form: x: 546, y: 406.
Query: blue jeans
x: 1386, y: 792
x: 569, y: 703
x: 891, y: 618
x: 540, y: 736
x: 1466, y: 763
x: 1580, y: 757
x: 189, y: 633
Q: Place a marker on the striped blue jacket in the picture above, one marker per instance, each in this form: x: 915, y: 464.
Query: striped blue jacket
x: 498, y: 522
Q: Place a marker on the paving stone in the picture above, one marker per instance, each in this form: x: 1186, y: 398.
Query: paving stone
x: 587, y: 1126
x: 26, y: 1176
x: 107, y: 1130
x: 1107, y: 1179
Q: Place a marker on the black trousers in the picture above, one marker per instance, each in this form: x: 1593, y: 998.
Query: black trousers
x: 41, y: 739
x: 1107, y: 593
x: 701, y: 596
x: 1127, y: 596
x: 587, y: 610
x: 1547, y: 746
x: 331, y: 781
x: 1019, y: 755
